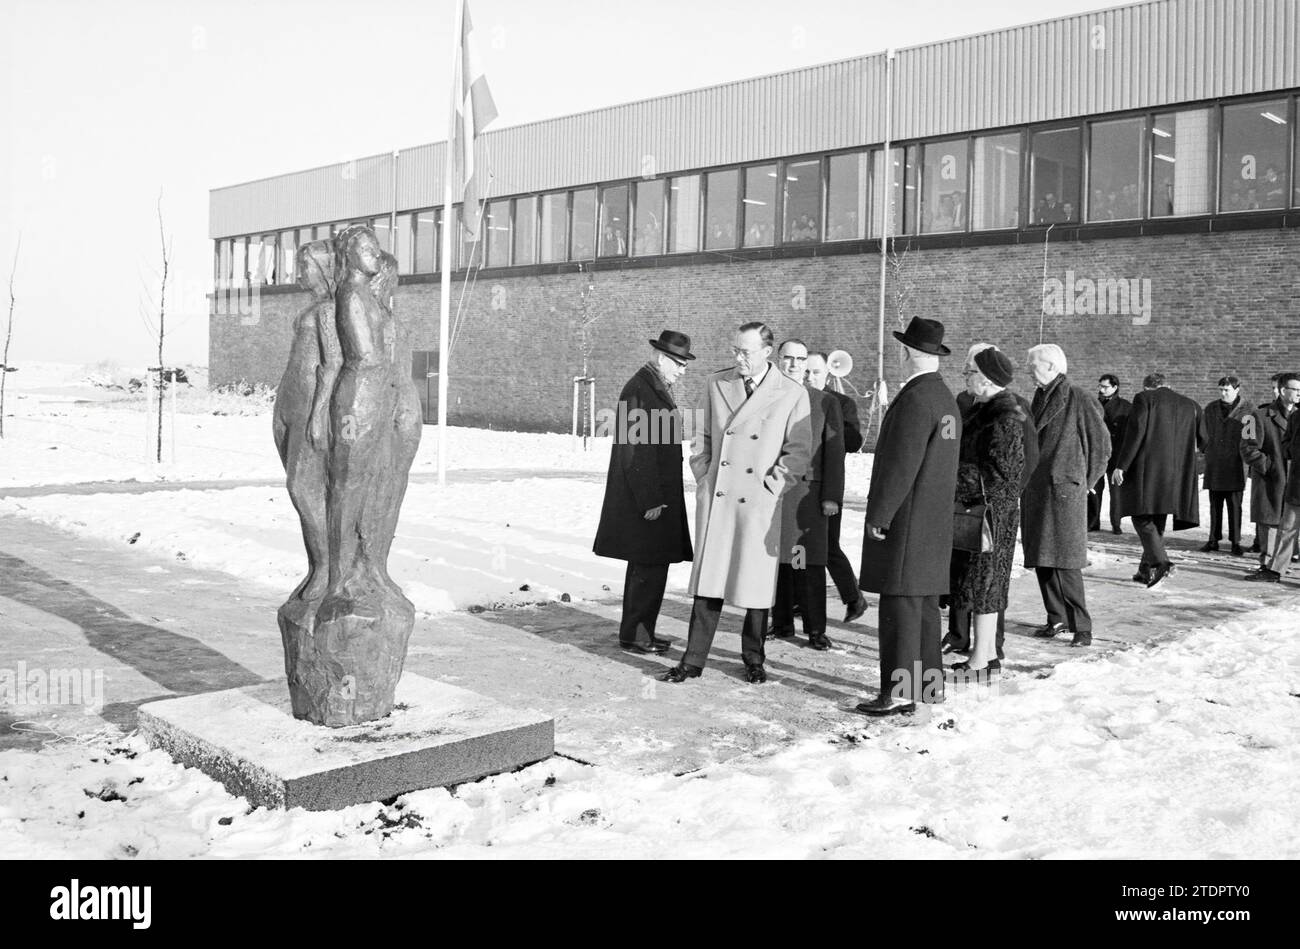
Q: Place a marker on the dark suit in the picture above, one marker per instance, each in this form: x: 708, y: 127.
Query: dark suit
x: 804, y: 528
x: 1225, y: 475
x: 1115, y: 411
x: 1158, y: 459
x: 837, y: 563
x: 645, y: 471
x: 911, y: 498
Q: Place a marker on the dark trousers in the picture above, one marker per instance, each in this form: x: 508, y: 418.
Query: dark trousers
x: 1233, y: 500
x: 839, y: 567
x: 704, y: 624
x: 807, y: 587
x: 1094, y: 505
x: 959, y: 629
x: 1151, y: 531
x: 911, y: 663
x: 643, y: 595
x: 1063, y: 597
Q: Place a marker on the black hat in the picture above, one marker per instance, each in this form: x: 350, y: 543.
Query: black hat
x: 995, y: 365
x: 677, y: 345
x: 925, y: 336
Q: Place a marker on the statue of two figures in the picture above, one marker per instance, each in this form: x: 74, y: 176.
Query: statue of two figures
x: 347, y: 424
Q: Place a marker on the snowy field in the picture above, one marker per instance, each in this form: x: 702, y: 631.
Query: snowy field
x: 1186, y: 749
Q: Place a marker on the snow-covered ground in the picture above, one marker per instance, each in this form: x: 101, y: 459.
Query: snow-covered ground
x: 1186, y: 749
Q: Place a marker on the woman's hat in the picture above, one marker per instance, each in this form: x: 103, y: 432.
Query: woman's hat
x: 677, y: 345
x: 925, y: 336
x: 995, y: 365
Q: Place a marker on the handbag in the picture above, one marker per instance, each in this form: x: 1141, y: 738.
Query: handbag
x: 972, y: 530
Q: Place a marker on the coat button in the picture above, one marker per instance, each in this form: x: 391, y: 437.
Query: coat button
x: 725, y: 463
x: 730, y: 432
x: 719, y: 494
x: 742, y: 500
x: 754, y: 437
x: 749, y: 471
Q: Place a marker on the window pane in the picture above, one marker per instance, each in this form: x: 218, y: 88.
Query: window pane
x: 426, y: 242
x: 846, y: 217
x: 525, y: 231
x: 1256, y: 140
x: 649, y: 217
x: 583, y: 246
x: 892, y: 203
x: 239, y: 261
x: 720, y: 220
x: 404, y: 243
x: 911, y: 191
x: 287, y: 251
x: 496, y: 231
x: 555, y: 228
x: 759, y: 205
x: 1054, y: 175
x: 943, y: 205
x: 226, y: 250
x: 471, y: 250
x: 613, y: 221
x: 1115, y: 170
x: 802, y: 192
x: 262, y: 259
x: 684, y: 214
x: 382, y: 226
x: 995, y: 185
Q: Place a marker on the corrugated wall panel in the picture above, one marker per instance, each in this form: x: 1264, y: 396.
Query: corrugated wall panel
x: 1161, y: 52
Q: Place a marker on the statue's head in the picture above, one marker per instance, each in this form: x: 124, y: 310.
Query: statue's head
x: 359, y: 249
x: 316, y: 268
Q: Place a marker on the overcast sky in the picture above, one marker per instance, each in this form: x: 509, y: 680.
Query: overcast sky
x: 108, y: 102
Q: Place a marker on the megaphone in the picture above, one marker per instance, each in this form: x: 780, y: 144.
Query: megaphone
x: 839, y: 364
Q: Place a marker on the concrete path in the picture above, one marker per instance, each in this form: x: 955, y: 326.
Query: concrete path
x: 159, y: 628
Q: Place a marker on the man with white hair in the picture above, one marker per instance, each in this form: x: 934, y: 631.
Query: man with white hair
x: 1073, y: 448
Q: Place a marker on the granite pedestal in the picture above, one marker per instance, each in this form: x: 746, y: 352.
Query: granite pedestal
x: 437, y: 735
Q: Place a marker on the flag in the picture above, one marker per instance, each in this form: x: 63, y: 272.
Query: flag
x: 475, y: 110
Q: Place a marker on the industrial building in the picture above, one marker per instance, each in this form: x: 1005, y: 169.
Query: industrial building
x: 1123, y: 183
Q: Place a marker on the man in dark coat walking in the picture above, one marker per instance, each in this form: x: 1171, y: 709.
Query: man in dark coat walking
x: 1156, y: 471
x: 1115, y: 411
x: 957, y: 639
x: 806, y: 510
x: 643, y: 519
x: 1073, y: 448
x: 837, y: 563
x: 1225, y: 475
x: 1268, y: 439
x: 908, y: 539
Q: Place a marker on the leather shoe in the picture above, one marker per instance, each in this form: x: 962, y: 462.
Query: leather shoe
x: 856, y: 609
x: 1116, y: 530
x: 755, y: 674
x: 954, y: 645
x: 654, y: 647
x: 1082, y: 639
x: 1160, y: 574
x: 882, y: 705
x: 819, y: 642
x: 1238, y: 550
x: 680, y: 673
x: 1210, y: 546
x: 784, y: 632
x: 1263, y: 575
x: 1049, y: 631
x: 1142, y: 576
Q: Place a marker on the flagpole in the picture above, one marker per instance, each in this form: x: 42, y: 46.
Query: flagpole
x: 445, y: 284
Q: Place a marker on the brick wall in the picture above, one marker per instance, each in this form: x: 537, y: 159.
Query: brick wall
x: 1219, y: 303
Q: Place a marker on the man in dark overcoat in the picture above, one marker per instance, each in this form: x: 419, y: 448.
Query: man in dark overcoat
x: 1115, y: 411
x: 806, y: 510
x: 1155, y: 471
x: 1225, y: 475
x: 1266, y: 450
x: 643, y: 518
x: 957, y: 639
x: 1073, y: 448
x: 837, y: 562
x: 908, y: 538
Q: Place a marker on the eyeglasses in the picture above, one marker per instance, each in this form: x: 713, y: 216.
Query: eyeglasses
x: 747, y: 353
x: 795, y: 358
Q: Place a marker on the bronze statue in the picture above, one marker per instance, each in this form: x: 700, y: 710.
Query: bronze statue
x: 347, y: 423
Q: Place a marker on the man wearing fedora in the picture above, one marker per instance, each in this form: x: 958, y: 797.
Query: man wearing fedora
x: 908, y: 539
x: 753, y: 441
x: 643, y: 518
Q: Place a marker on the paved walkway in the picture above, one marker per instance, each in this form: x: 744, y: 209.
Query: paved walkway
x: 158, y: 628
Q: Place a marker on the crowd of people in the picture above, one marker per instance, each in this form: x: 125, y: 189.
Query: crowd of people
x: 955, y: 481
